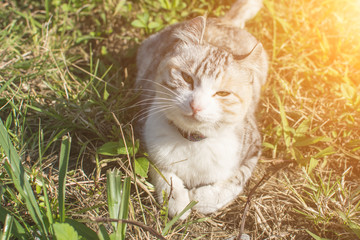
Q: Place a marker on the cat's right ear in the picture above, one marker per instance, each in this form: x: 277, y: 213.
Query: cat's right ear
x: 192, y: 31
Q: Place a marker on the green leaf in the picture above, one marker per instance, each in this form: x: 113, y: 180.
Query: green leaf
x: 353, y: 144
x: 347, y: 91
x: 298, y: 156
x: 113, y: 187
x: 141, y: 21
x: 7, y: 228
x: 106, y: 93
x: 118, y: 148
x: 268, y: 145
x: 144, y: 18
x: 355, y: 228
x: 113, y: 236
x: 312, y: 164
x: 153, y: 25
x: 175, y: 4
x: 111, y: 149
x: 20, y: 179
x: 284, y: 122
x: 104, y: 52
x: 82, y: 229
x: 119, y: 7
x: 64, y: 162
x: 327, y: 151
x: 8, y: 122
x: 48, y: 208
x: 17, y: 229
x: 118, y: 192
x: 142, y: 166
x: 6, y: 84
x: 165, y: 4
x: 103, y: 234
x: 138, y: 24
x: 63, y: 231
x: 301, y: 142
x: 124, y: 208
x: 316, y: 237
x: 303, y: 128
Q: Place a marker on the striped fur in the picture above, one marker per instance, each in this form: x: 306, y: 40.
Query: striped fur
x: 202, y: 76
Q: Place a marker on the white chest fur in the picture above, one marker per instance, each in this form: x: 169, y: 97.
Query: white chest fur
x: 196, y: 163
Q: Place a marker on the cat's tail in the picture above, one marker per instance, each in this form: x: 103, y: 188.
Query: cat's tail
x: 242, y: 11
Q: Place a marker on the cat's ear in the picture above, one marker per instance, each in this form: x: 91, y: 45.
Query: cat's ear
x: 256, y: 60
x: 253, y: 55
x: 192, y: 31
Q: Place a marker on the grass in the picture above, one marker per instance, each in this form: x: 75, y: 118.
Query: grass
x: 66, y: 72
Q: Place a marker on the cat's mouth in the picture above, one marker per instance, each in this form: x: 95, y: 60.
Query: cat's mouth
x: 193, y: 118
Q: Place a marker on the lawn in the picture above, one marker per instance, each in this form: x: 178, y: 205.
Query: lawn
x: 71, y: 165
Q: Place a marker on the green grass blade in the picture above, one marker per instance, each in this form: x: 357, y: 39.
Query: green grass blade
x: 48, y: 207
x: 173, y: 221
x: 113, y: 188
x: 6, y: 84
x: 118, y: 200
x: 63, y: 166
x: 124, y: 208
x: 21, y: 180
x: 9, y: 220
x: 284, y: 122
x: 46, y: 197
x: 47, y: 8
x: 103, y: 234
x: 17, y: 230
x: 314, y: 236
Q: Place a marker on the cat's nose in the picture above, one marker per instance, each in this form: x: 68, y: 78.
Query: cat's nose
x: 194, y: 107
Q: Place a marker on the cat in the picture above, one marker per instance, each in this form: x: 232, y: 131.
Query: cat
x: 200, y: 82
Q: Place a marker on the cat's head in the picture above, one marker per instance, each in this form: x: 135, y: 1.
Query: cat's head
x: 204, y: 86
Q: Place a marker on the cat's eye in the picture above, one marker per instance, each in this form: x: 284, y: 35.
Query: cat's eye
x: 188, y: 79
x: 222, y: 93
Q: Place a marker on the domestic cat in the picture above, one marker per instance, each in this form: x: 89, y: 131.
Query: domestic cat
x: 201, y: 81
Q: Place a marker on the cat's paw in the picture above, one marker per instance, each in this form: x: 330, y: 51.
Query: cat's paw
x: 177, y: 202
x: 207, y: 199
x: 213, y: 197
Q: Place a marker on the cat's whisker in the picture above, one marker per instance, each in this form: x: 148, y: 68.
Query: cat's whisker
x: 158, y: 84
x: 155, y: 91
x: 145, y: 104
x: 155, y: 112
x: 138, y: 104
x: 142, y: 90
x: 148, y: 102
x: 162, y: 98
x: 151, y: 109
x: 145, y: 114
x: 156, y: 99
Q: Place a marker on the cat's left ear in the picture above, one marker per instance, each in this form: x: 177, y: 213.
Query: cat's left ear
x: 256, y: 60
x: 253, y: 55
x: 192, y: 31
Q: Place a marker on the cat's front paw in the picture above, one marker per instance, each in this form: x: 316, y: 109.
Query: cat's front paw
x: 207, y: 198
x: 213, y: 197
x: 177, y: 202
